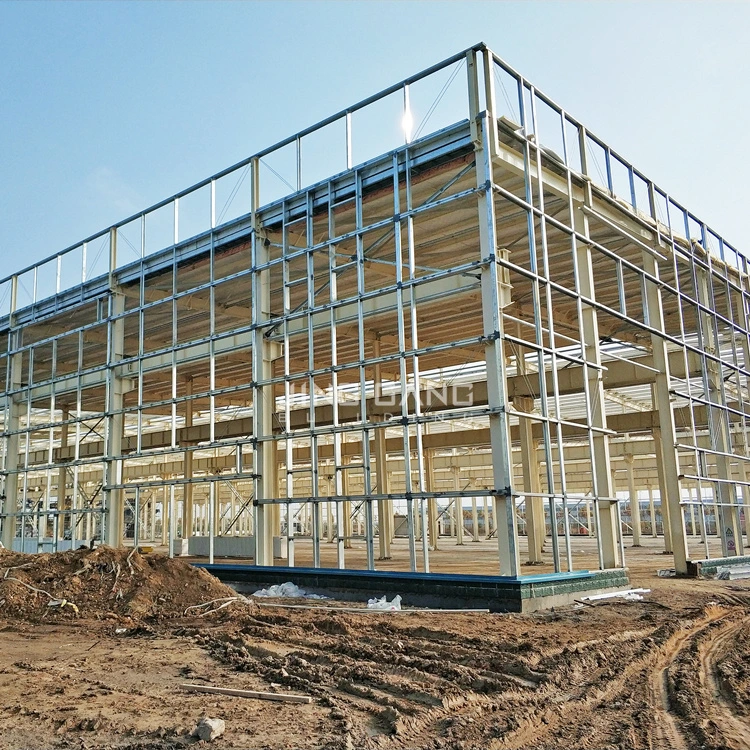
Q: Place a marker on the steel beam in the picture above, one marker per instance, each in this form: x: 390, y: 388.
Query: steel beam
x: 494, y: 297
x: 608, y: 524
x: 114, y: 500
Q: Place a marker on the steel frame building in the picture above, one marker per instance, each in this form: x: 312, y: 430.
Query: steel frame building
x: 504, y: 309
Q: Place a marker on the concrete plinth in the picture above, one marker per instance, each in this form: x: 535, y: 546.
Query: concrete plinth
x: 180, y: 547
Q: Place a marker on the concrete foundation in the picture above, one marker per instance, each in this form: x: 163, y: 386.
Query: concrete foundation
x: 496, y: 593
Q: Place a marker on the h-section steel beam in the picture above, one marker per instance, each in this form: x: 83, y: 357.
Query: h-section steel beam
x: 608, y: 522
x: 264, y: 352
x: 665, y: 438
x: 494, y: 298
x: 114, y: 422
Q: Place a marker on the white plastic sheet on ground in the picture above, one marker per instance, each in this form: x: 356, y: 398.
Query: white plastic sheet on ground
x: 630, y: 595
x: 393, y: 606
x: 287, y: 590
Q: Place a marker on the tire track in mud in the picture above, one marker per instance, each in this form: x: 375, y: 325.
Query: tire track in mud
x: 735, y: 730
x: 544, y: 710
x: 667, y: 732
x: 382, y: 680
x: 510, y: 687
x: 654, y: 668
x: 392, y: 687
x: 709, y: 645
x: 385, y: 692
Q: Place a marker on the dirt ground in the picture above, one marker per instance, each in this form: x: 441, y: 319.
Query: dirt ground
x: 670, y: 672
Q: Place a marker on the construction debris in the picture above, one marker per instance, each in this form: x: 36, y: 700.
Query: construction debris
x: 631, y: 595
x: 62, y: 603
x: 287, y: 590
x: 733, y: 572
x: 280, y: 697
x: 220, y: 604
x: 209, y: 729
x: 389, y: 606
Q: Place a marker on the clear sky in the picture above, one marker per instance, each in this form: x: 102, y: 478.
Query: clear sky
x: 107, y: 107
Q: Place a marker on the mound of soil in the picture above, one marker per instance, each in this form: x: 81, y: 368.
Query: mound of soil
x: 104, y: 583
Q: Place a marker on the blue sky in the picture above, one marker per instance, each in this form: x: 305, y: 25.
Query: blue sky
x: 108, y: 107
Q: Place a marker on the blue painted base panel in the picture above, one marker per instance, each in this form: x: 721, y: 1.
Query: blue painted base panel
x: 445, y: 590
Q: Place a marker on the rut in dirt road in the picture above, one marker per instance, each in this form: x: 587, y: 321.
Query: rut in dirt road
x: 392, y: 685
x: 666, y: 729
x: 734, y: 727
x: 669, y: 672
x: 691, y: 709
